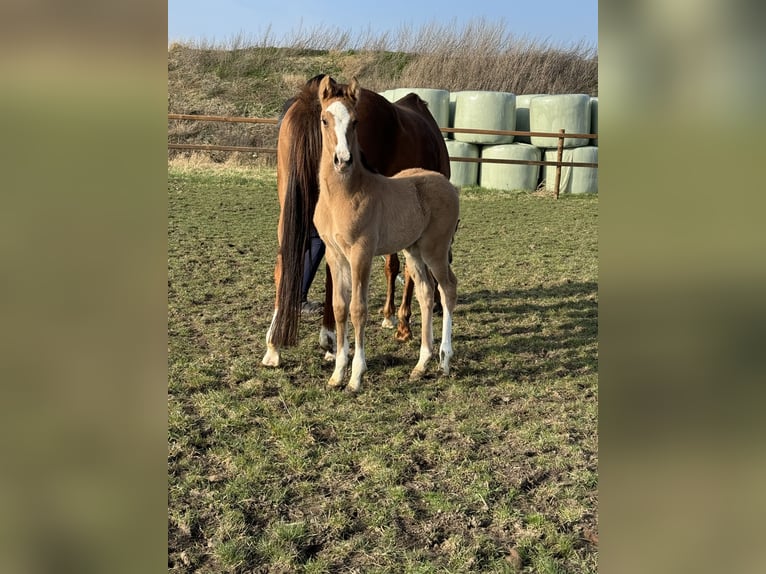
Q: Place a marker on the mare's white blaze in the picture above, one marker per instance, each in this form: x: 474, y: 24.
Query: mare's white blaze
x: 342, y: 119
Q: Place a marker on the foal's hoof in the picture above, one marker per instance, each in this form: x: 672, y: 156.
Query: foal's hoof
x: 334, y: 383
x: 417, y: 374
x: 388, y: 323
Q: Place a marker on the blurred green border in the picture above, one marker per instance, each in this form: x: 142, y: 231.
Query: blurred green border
x: 681, y: 280
x: 681, y: 277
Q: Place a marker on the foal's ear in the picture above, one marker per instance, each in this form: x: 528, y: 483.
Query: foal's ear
x: 354, y: 90
x: 327, y: 88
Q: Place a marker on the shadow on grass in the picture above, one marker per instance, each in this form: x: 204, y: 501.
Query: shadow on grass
x: 529, y: 334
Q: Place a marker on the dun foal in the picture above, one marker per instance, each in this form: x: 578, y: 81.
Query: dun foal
x: 361, y: 214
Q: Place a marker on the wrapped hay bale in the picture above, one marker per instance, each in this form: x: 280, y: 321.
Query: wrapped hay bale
x: 388, y: 94
x: 485, y: 111
x: 522, y: 116
x: 452, y: 100
x: 573, y: 179
x: 437, y: 100
x: 570, y: 112
x: 594, y: 120
x: 463, y: 173
x: 508, y: 176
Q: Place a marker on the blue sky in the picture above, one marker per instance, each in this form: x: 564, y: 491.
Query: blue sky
x: 559, y: 22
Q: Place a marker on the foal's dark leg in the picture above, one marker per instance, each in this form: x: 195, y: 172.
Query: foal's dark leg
x: 438, y: 309
x: 327, y: 334
x: 437, y: 297
x: 403, y: 331
x: 392, y: 271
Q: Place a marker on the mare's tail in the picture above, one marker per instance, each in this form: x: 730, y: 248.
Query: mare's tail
x: 302, y: 145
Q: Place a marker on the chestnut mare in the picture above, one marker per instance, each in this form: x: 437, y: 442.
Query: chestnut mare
x: 393, y: 137
x: 361, y: 214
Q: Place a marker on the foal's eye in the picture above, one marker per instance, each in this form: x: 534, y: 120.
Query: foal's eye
x: 324, y: 122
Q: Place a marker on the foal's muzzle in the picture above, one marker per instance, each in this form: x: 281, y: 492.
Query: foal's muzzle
x: 342, y: 164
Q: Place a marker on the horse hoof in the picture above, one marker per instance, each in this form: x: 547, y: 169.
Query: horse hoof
x: 333, y: 383
x: 329, y: 356
x: 353, y: 389
x: 387, y: 323
x: 270, y: 359
x: 403, y: 335
x: 417, y: 374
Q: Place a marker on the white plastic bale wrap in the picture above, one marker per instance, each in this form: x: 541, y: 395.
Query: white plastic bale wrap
x: 485, y: 111
x: 522, y: 116
x: 463, y: 173
x: 388, y: 94
x: 398, y: 93
x: 594, y: 120
x: 570, y: 112
x: 452, y: 100
x: 508, y: 176
x: 573, y: 179
x: 437, y: 100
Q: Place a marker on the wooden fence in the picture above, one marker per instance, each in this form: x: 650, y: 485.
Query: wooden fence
x: 561, y: 135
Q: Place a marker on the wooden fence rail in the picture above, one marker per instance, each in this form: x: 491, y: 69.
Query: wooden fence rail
x: 235, y: 119
x: 561, y: 135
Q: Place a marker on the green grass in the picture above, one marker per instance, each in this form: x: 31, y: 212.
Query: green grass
x: 490, y: 469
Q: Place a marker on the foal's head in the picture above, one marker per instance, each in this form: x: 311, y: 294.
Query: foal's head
x: 339, y: 122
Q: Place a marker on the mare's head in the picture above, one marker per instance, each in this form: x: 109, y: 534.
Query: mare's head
x: 339, y: 120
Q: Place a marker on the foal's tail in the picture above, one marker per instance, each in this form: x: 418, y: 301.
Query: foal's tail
x: 300, y: 141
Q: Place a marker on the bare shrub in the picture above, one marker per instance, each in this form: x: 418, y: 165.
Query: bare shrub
x: 253, y: 77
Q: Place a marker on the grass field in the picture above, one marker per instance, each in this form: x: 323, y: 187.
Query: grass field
x: 490, y: 469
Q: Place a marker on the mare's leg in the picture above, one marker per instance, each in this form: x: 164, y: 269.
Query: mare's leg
x: 403, y: 330
x: 360, y: 284
x: 425, y: 293
x: 271, y: 358
x: 340, y: 300
x: 327, y: 333
x: 392, y: 271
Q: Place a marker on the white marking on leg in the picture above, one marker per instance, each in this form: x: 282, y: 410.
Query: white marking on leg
x: 445, y: 350
x: 341, y: 360
x: 420, y: 368
x: 358, y: 368
x: 271, y: 358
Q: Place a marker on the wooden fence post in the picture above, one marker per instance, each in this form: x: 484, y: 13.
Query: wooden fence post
x: 559, y: 158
